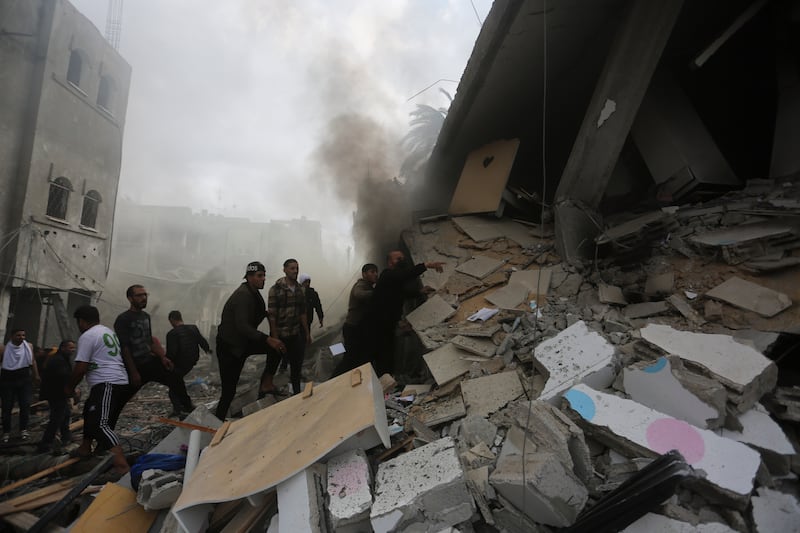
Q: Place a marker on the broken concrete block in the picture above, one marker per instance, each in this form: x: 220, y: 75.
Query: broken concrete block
x: 639, y: 429
x: 387, y: 383
x: 415, y: 390
x: 571, y: 286
x: 509, y: 296
x: 477, y: 346
x: 159, y: 489
x: 775, y: 511
x: 478, y: 456
x: 258, y: 405
x: 476, y: 429
x: 645, y: 309
x: 549, y: 493
x: 652, y: 522
x: 485, y: 395
x: 447, y: 363
x: 537, y: 280
x: 425, y: 488
x: 683, y: 307
x: 611, y: 294
x: 434, y: 311
x: 443, y: 410
x: 750, y: 296
x: 659, y: 283
x: 301, y: 501
x: 737, y: 366
x: 349, y: 492
x: 480, y: 266
x: 761, y: 432
x: 712, y: 310
x: 575, y: 355
x: 654, y: 385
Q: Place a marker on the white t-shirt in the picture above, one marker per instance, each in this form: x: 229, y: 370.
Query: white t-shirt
x: 99, y: 346
x: 17, y: 357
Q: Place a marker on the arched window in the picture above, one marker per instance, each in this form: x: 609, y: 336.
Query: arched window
x: 91, y: 203
x: 105, y: 93
x: 58, y: 198
x: 75, y: 68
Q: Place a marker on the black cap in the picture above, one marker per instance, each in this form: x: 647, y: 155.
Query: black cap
x: 254, y: 266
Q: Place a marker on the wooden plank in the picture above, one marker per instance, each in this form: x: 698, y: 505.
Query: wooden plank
x: 39, y: 475
x: 402, y: 445
x: 244, y: 520
x: 115, y: 509
x: 309, y: 390
x: 47, y: 499
x: 44, y: 491
x: 186, y: 425
x: 484, y: 177
x: 220, y: 433
x: 23, y: 521
x: 355, y: 377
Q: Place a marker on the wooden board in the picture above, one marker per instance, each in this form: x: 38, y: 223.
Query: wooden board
x: 115, y: 509
x: 267, y: 447
x: 484, y: 177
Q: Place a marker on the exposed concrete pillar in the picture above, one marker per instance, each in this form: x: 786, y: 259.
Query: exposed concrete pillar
x: 630, y: 64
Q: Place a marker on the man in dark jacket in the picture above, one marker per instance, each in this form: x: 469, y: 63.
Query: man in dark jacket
x: 313, y: 302
x: 56, y: 373
x: 183, y: 349
x: 387, y: 306
x: 238, y: 337
x: 354, y: 335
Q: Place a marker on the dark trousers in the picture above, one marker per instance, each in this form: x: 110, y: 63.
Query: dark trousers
x: 153, y: 370
x: 382, y: 345
x: 356, y: 348
x: 100, y: 413
x: 15, y: 386
x: 60, y: 411
x: 174, y: 395
x: 295, y: 352
x: 230, y: 369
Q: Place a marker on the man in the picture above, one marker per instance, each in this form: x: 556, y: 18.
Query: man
x: 313, y: 302
x: 353, y: 334
x: 136, y: 338
x: 238, y: 337
x: 387, y: 306
x: 56, y: 374
x: 103, y: 362
x: 287, y: 319
x: 18, y: 366
x: 183, y: 349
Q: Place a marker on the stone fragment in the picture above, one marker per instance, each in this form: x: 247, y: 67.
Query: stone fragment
x: 712, y: 310
x: 761, y: 432
x: 652, y: 522
x: 537, y: 280
x: 645, y: 309
x: 611, y: 294
x: 575, y: 355
x: 434, y: 311
x: 477, y: 346
x: 387, y: 383
x: 509, y: 296
x: 659, y: 283
x: 476, y: 429
x: 349, y: 492
x: 570, y: 286
x: 447, y: 363
x: 443, y: 410
x: 775, y: 511
x: 548, y: 494
x: 640, y: 430
x: 479, y: 266
x: 424, y: 489
x: 485, y: 395
x: 683, y: 307
x: 750, y: 296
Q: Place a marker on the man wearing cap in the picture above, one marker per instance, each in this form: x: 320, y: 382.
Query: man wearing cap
x: 238, y: 337
x: 287, y: 319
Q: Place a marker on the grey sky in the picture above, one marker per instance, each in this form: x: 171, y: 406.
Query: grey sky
x: 229, y: 100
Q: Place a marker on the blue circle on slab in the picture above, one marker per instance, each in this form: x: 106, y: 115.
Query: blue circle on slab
x: 656, y: 367
x: 580, y: 402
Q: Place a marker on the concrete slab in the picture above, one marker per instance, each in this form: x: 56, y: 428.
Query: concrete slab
x: 301, y: 503
x: 683, y: 307
x: 548, y: 494
x: 654, y: 385
x: 447, y: 363
x: 750, y: 296
x: 440, y: 411
x: 645, y: 309
x: 537, y: 280
x: 434, y: 311
x: 509, y: 296
x: 480, y: 266
x: 571, y: 286
x: 485, y: 395
x: 486, y: 229
x: 476, y: 429
x: 349, y: 492
x: 775, y: 511
x: 611, y: 294
x: 575, y: 355
x: 735, y: 365
x: 415, y: 389
x: 760, y: 431
x: 632, y: 423
x: 477, y: 346
x: 424, y: 489
x: 659, y: 283
x: 652, y: 522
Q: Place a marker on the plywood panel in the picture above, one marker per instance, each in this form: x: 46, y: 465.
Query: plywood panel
x: 267, y: 447
x: 115, y: 509
x: 484, y: 178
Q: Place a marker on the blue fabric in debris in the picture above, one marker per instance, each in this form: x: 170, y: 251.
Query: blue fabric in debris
x: 159, y: 461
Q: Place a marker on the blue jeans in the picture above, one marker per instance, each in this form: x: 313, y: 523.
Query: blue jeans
x: 15, y: 388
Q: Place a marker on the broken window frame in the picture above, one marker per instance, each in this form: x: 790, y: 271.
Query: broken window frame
x: 91, y: 206
x: 58, y: 198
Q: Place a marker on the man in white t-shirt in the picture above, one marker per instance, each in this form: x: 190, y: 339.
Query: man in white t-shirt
x: 99, y: 358
x: 18, y: 367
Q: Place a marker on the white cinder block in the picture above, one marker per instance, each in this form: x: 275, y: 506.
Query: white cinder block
x: 576, y: 355
x: 727, y: 464
x: 349, y: 493
x: 300, y: 502
x: 425, y: 487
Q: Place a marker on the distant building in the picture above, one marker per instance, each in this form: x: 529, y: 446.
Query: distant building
x: 63, y: 99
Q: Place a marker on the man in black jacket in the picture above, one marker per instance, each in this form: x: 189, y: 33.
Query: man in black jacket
x: 56, y: 373
x: 238, y: 337
x: 183, y: 349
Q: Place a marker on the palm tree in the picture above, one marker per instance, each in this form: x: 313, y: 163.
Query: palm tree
x: 426, y: 122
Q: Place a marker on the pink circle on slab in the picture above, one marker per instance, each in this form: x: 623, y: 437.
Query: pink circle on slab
x: 668, y: 434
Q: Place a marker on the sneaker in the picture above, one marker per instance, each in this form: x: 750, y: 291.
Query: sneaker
x: 6, y: 437
x: 24, y: 434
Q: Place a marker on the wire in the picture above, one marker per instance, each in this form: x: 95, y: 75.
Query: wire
x: 480, y: 22
x: 429, y: 86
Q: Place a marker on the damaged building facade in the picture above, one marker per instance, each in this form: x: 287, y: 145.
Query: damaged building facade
x: 64, y: 98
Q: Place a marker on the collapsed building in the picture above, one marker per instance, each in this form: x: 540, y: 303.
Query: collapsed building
x: 612, y: 348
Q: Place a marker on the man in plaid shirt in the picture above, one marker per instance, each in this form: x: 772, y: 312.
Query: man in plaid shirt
x: 287, y: 318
